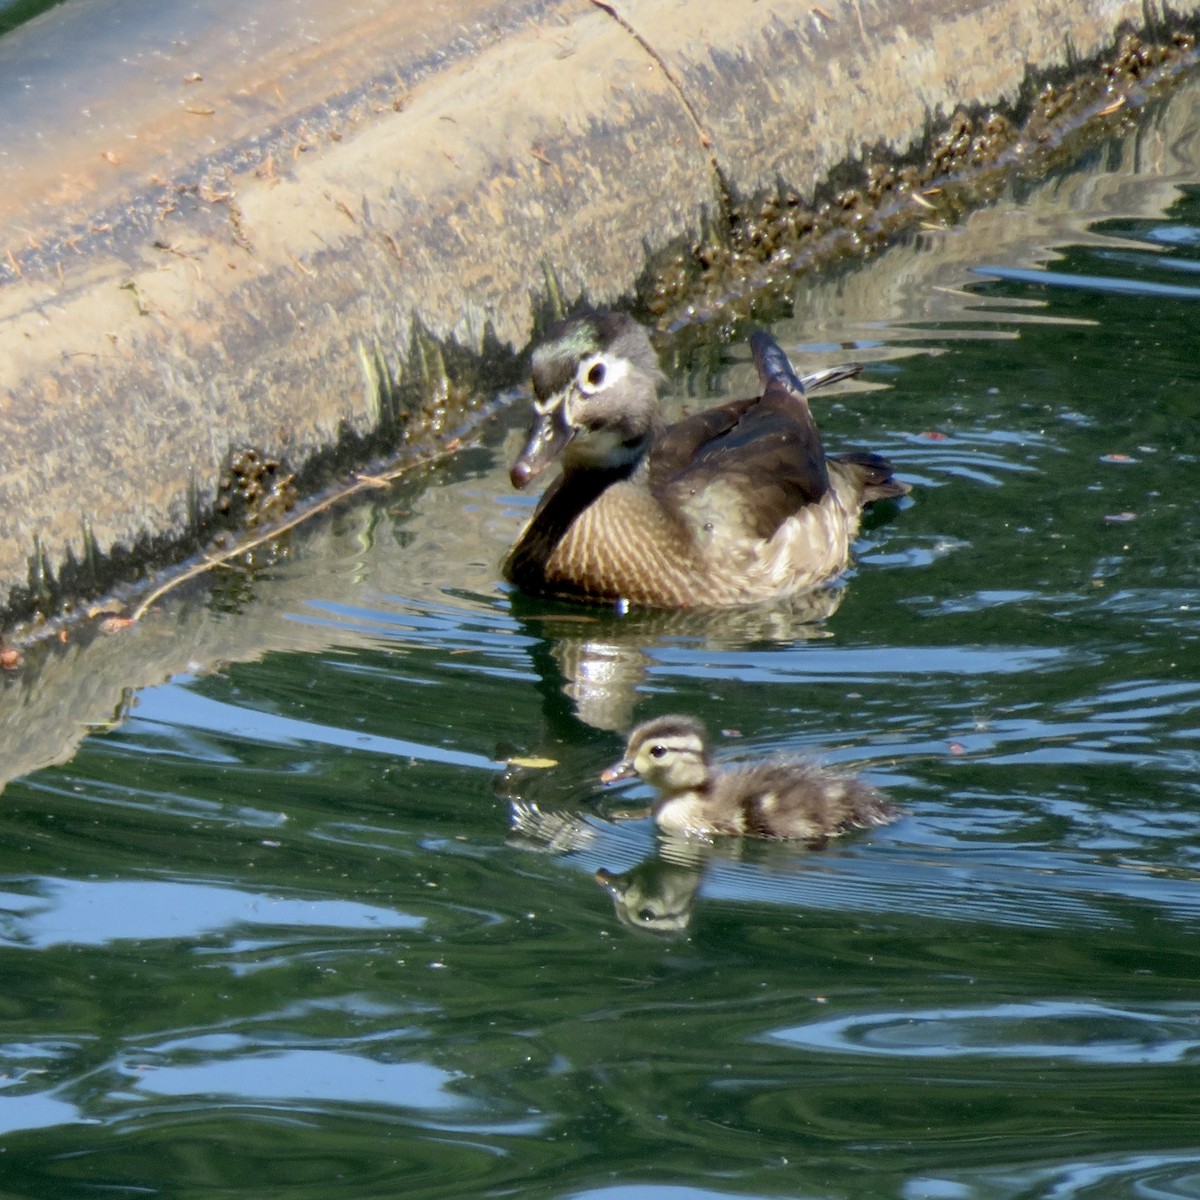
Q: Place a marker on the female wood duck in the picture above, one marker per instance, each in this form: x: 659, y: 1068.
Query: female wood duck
x: 777, y: 798
x: 734, y: 505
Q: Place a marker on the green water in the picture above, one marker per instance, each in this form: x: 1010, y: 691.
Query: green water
x: 266, y: 932
x: 17, y: 12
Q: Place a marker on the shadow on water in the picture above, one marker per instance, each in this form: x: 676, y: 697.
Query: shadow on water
x: 310, y: 888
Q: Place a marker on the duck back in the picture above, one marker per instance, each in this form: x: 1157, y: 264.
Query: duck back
x: 782, y: 798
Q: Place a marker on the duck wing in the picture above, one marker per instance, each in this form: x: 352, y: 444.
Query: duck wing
x: 799, y: 798
x: 752, y: 463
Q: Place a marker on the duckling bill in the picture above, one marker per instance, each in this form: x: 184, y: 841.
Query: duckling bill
x: 775, y: 798
x: 734, y: 505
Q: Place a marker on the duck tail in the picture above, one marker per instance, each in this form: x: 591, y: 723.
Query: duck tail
x: 773, y: 365
x: 830, y: 375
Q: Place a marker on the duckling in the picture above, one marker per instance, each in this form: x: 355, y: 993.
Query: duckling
x: 734, y: 505
x: 778, y: 798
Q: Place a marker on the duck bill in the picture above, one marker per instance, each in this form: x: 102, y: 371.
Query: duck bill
x: 622, y: 770
x: 547, y: 439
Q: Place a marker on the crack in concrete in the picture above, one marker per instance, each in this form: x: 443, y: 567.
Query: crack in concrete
x: 724, y: 192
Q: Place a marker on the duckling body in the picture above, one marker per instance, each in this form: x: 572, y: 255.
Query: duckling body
x: 733, y: 505
x: 777, y: 798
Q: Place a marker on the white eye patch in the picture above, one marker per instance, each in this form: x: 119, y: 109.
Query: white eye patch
x: 599, y: 371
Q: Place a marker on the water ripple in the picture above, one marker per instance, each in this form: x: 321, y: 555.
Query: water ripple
x: 1163, y: 1176
x: 1091, y: 283
x: 91, y: 913
x: 1068, y: 1031
x: 304, y: 1075
x: 860, y: 665
x: 175, y: 705
x: 650, y: 1191
x: 35, y: 1112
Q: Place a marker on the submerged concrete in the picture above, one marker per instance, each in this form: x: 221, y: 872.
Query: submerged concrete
x: 235, y: 229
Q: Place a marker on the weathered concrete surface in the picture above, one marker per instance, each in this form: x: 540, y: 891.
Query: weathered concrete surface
x: 218, y: 229
x: 789, y: 91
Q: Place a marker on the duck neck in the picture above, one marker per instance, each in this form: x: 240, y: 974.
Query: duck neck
x: 692, y: 777
x: 618, y: 448
x: 572, y: 493
x: 682, y: 806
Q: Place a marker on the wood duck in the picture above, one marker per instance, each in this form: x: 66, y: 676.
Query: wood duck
x: 777, y: 798
x: 734, y: 505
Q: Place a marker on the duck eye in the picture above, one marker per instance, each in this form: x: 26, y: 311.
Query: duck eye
x: 595, y: 375
x: 657, y: 751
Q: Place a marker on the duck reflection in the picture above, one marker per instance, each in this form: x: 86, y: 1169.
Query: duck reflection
x: 592, y: 663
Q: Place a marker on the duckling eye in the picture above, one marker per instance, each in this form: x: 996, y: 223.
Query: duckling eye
x: 657, y: 751
x: 595, y: 375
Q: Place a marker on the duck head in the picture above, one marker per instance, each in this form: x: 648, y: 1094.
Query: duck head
x: 669, y: 753
x: 595, y: 386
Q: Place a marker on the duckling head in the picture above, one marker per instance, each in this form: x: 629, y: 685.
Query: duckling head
x: 669, y: 753
x: 595, y: 384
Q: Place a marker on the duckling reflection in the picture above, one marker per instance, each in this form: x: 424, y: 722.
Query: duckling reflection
x: 657, y: 896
